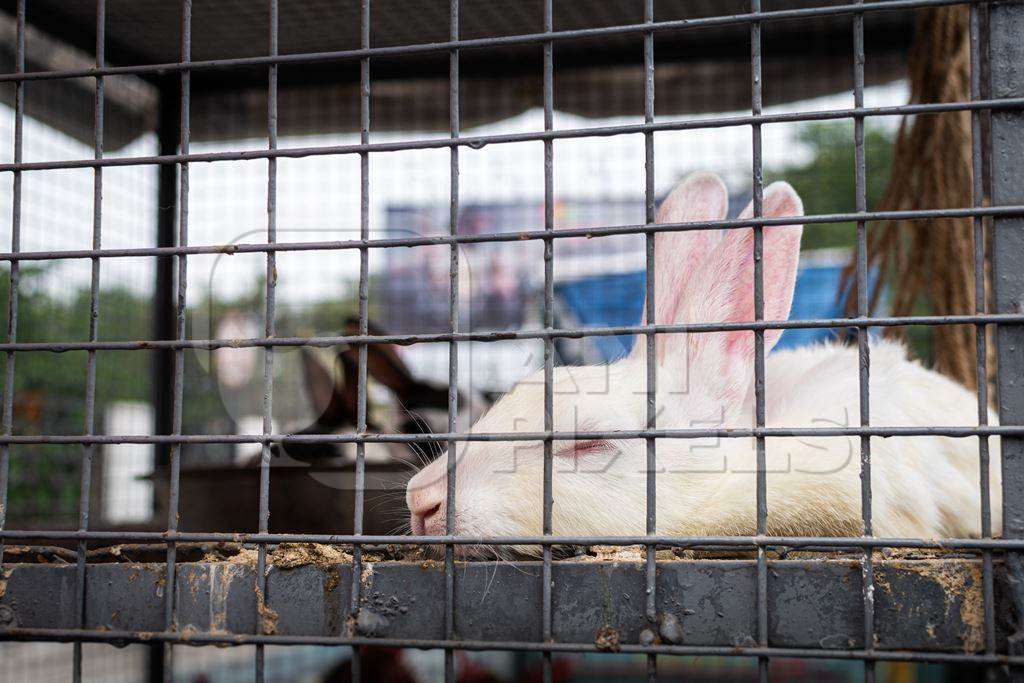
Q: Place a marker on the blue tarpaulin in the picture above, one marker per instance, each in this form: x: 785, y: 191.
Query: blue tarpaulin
x: 618, y: 299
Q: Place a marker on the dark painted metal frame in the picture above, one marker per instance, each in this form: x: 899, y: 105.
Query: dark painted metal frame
x: 997, y: 100
x: 1006, y: 147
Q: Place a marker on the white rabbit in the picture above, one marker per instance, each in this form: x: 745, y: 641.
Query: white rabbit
x: 923, y: 486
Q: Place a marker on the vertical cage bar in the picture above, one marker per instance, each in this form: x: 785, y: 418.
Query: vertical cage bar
x: 163, y: 285
x: 453, y: 346
x: 269, y: 325
x: 981, y: 341
x: 85, y: 490
x: 181, y: 260
x: 12, y: 291
x: 651, y: 337
x: 549, y: 323
x: 364, y: 270
x: 163, y: 313
x: 863, y: 348
x: 1006, y: 54
x: 759, y: 410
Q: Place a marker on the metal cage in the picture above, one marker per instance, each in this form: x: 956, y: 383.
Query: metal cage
x: 853, y: 607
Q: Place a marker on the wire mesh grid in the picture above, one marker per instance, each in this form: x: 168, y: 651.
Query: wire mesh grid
x: 179, y: 159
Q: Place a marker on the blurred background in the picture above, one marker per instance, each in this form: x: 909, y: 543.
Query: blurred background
x: 598, y: 181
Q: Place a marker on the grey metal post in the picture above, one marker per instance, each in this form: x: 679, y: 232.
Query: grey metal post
x: 1006, y: 26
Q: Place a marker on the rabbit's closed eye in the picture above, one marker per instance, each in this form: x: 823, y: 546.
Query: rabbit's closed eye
x: 577, y: 449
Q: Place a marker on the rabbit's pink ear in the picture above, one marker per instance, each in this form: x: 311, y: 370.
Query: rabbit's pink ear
x: 723, y: 291
x: 781, y: 255
x: 679, y: 254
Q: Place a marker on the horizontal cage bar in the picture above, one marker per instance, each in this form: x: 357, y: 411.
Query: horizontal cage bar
x: 526, y: 235
x: 477, y: 142
x: 621, y: 435
x: 682, y: 650
x: 692, y: 542
x: 575, y: 333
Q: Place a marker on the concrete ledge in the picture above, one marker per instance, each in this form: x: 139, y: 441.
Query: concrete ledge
x: 924, y: 604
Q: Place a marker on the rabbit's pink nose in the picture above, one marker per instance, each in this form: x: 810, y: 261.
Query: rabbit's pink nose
x: 427, y: 507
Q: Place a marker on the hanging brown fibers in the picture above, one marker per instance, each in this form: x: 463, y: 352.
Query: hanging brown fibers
x: 928, y: 265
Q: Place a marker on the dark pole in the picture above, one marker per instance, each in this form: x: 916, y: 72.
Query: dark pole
x: 163, y: 311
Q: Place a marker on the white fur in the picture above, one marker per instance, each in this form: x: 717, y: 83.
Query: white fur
x: 923, y: 486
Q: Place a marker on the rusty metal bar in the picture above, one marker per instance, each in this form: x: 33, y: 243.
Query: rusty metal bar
x: 359, y: 504
x: 549, y: 343
x: 701, y: 542
x: 689, y: 433
x: 269, y: 322
x: 650, y: 355
x: 589, y: 232
x: 980, y: 331
x: 178, y: 390
x: 453, y: 347
x: 85, y: 486
x: 577, y: 333
x: 863, y: 344
x: 477, y: 142
x: 757, y: 201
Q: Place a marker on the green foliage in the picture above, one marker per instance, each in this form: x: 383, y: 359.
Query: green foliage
x: 50, y: 388
x: 121, y: 375
x: 826, y: 182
